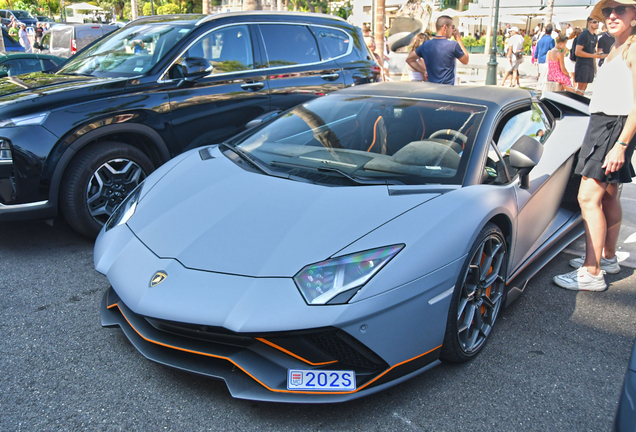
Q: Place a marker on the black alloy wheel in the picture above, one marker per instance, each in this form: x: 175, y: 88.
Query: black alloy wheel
x: 477, y: 298
x: 99, y: 178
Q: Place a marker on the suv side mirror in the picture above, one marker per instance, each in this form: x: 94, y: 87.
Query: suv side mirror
x: 194, y: 68
x: 525, y: 154
x: 36, y: 45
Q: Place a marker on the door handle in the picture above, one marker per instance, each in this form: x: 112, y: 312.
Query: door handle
x: 253, y: 86
x: 330, y: 77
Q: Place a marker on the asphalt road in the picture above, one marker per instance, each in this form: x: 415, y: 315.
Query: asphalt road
x: 555, y: 361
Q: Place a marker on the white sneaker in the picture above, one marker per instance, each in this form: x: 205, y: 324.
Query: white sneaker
x: 607, y: 265
x: 581, y: 280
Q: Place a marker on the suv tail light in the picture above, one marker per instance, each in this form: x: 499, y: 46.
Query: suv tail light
x: 73, y: 47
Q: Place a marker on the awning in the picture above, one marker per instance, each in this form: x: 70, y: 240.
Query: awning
x: 84, y: 6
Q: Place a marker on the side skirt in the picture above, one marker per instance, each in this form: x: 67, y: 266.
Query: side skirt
x: 569, y: 232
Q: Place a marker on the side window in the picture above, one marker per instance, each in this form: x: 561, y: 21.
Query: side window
x: 85, y: 36
x: 531, y: 122
x: 333, y: 43
x: 46, y: 41
x: 9, y: 41
x: 288, y: 44
x: 47, y: 65
x: 228, y: 49
x: 3, y: 14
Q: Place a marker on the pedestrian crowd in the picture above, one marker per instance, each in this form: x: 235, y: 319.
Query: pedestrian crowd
x: 18, y: 31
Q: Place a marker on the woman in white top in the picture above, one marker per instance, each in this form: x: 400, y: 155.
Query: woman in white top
x: 605, y: 156
x: 417, y: 41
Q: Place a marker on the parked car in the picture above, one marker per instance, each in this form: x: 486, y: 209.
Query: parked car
x: 348, y: 244
x: 66, y: 40
x: 22, y: 63
x: 44, y: 19
x: 20, y: 15
x: 10, y: 44
x: 79, y: 140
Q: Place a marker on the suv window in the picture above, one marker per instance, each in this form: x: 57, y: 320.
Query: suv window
x: 531, y: 122
x: 333, y: 43
x: 86, y: 35
x: 3, y: 14
x: 20, y: 66
x: 131, y: 51
x: 61, y: 39
x: 8, y: 40
x: 299, y: 45
x: 229, y: 49
x: 46, y: 41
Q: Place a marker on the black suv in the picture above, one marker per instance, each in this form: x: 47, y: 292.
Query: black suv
x: 81, y: 139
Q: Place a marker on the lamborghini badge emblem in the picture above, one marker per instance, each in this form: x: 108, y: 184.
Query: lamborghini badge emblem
x: 157, y: 278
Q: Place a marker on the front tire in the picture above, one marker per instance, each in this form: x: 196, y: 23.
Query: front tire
x: 477, y: 298
x: 99, y: 178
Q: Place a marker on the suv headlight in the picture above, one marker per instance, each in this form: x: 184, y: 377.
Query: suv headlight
x: 31, y: 119
x: 319, y: 283
x: 125, y: 210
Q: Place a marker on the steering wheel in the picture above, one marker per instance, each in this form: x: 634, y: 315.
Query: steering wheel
x: 450, y: 132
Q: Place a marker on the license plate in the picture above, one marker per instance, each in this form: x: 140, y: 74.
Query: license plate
x: 320, y: 380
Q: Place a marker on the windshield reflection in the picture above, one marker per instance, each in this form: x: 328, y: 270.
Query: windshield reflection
x: 130, y: 51
x: 384, y: 139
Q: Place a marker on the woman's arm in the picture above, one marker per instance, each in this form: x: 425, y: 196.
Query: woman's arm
x: 616, y: 156
x: 562, y: 63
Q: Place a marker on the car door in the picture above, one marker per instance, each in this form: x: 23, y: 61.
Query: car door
x: 217, y: 106
x: 538, y: 205
x: 298, y: 69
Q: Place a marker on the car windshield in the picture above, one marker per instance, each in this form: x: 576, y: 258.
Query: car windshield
x: 131, y: 51
x: 21, y: 14
x: 370, y: 140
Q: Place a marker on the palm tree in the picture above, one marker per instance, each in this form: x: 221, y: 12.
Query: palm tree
x: 133, y: 7
x: 252, y: 5
x: 549, y: 12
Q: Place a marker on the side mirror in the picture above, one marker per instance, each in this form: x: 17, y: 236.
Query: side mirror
x: 194, y: 68
x: 525, y: 154
x: 36, y: 45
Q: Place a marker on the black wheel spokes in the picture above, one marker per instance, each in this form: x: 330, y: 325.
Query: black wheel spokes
x: 481, y: 294
x: 110, y: 185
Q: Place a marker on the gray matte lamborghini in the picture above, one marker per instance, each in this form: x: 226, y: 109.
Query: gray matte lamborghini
x: 348, y: 244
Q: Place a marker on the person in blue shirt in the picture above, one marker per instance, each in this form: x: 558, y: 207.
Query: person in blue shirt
x: 545, y: 44
x: 439, y: 54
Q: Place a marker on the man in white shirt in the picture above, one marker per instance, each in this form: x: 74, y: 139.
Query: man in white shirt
x: 569, y: 30
x: 515, y: 54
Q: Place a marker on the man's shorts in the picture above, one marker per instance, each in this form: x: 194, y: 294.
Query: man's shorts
x: 515, y: 63
x: 583, y: 73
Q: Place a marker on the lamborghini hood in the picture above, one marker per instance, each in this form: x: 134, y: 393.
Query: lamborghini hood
x: 213, y: 215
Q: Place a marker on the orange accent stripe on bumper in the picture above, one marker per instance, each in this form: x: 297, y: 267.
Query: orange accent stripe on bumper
x: 265, y: 341
x: 256, y: 379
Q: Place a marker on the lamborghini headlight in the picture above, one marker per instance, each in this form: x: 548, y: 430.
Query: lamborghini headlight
x: 321, y: 282
x: 125, y: 210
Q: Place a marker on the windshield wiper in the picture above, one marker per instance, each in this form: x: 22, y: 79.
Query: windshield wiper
x: 353, y: 178
x: 260, y: 166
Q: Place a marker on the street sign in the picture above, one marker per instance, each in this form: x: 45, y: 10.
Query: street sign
x: 30, y: 31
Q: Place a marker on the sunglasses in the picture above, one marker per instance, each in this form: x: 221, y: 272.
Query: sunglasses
x: 618, y: 10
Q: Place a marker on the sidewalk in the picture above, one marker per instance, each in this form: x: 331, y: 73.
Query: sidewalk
x: 476, y: 69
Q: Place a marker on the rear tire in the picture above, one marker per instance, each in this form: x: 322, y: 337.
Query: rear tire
x: 478, y: 296
x: 99, y: 178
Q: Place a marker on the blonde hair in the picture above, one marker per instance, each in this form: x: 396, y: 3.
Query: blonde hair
x: 418, y: 40
x: 630, y: 41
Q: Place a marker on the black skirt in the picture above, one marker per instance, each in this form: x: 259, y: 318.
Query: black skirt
x: 601, y: 136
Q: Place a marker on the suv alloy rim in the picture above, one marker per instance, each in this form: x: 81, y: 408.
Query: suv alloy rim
x: 109, y: 185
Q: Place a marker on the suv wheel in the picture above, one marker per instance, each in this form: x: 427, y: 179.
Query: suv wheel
x: 99, y: 178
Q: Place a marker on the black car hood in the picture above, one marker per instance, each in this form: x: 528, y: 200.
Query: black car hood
x: 46, y: 90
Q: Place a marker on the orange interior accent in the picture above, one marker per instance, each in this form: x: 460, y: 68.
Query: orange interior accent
x: 255, y: 379
x: 423, y: 125
x: 265, y: 341
x: 375, y: 127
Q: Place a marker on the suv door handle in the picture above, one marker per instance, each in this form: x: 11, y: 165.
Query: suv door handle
x: 253, y: 86
x: 330, y: 77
